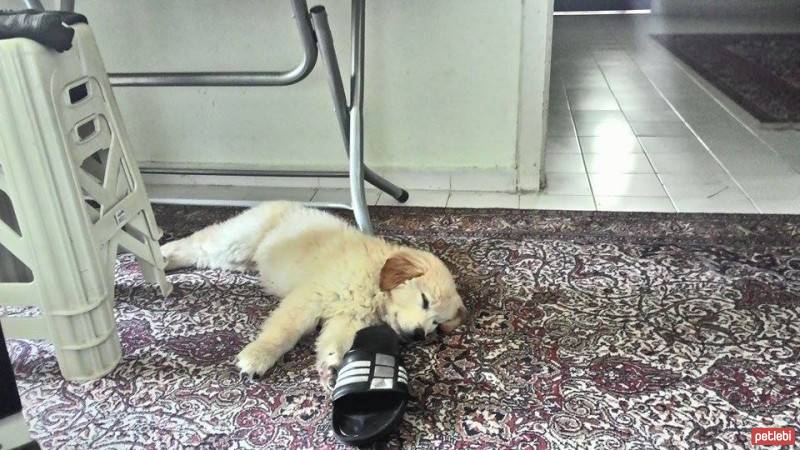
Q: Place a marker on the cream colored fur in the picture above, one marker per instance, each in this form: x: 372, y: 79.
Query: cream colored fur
x: 326, y: 272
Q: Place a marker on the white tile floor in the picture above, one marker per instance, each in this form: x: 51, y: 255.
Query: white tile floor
x: 636, y: 130
x: 630, y: 129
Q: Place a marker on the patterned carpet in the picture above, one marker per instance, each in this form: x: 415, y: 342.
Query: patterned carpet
x: 589, y: 331
x: 760, y: 72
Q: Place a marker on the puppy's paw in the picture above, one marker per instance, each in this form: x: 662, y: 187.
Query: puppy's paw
x: 255, y: 359
x: 327, y: 377
x: 327, y: 363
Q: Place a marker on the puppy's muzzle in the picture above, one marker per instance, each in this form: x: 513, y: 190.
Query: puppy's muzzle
x: 418, y: 335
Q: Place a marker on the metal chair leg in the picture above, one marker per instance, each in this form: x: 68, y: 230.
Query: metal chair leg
x: 66, y: 5
x: 34, y: 4
x: 356, y: 145
x: 327, y: 52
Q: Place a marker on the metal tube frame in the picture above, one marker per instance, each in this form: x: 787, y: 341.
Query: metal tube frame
x: 283, y: 78
x: 67, y: 5
x: 208, y: 171
x: 316, y: 36
x: 34, y: 4
x: 328, y: 53
x: 356, y: 144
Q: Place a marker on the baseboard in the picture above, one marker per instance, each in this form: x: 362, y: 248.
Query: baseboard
x: 488, y: 180
x: 726, y: 8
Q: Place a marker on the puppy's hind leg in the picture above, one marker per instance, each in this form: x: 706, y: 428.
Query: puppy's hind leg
x: 229, y: 244
x: 296, y: 316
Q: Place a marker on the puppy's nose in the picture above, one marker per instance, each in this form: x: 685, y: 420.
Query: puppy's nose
x: 419, y: 334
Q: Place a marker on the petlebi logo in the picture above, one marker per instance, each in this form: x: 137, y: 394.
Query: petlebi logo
x: 772, y: 436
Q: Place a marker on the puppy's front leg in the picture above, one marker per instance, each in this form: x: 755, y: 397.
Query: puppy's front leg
x: 295, y: 317
x: 335, y: 339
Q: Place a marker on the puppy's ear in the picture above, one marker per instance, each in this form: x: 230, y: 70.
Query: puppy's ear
x: 398, y: 269
x: 452, y: 324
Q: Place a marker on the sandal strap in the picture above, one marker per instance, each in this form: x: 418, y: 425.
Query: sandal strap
x: 364, y: 372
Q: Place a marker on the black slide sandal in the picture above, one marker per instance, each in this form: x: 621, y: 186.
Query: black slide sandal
x: 371, y: 392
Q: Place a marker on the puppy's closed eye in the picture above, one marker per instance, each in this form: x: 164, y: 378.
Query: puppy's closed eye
x: 425, y: 303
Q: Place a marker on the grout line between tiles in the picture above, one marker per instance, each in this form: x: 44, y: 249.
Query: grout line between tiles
x: 699, y: 82
x: 580, y: 147
x: 672, y: 59
x: 639, y: 141
x: 685, y: 123
x: 699, y: 139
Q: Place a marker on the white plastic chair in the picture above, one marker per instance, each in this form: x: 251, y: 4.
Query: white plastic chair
x: 72, y: 196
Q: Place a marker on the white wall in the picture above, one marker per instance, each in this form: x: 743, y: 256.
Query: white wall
x: 726, y: 7
x: 537, y: 34
x: 442, y: 84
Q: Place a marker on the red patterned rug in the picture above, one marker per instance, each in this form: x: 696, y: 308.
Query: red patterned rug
x: 588, y: 330
x: 760, y: 72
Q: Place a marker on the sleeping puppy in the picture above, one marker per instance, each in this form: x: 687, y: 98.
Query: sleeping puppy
x: 327, y: 272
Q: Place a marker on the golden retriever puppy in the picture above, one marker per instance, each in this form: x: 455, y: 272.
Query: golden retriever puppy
x: 327, y: 272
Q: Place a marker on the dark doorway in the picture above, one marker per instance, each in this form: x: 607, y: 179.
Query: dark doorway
x: 600, y: 5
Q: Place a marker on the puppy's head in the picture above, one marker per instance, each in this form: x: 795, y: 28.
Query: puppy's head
x: 421, y: 295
